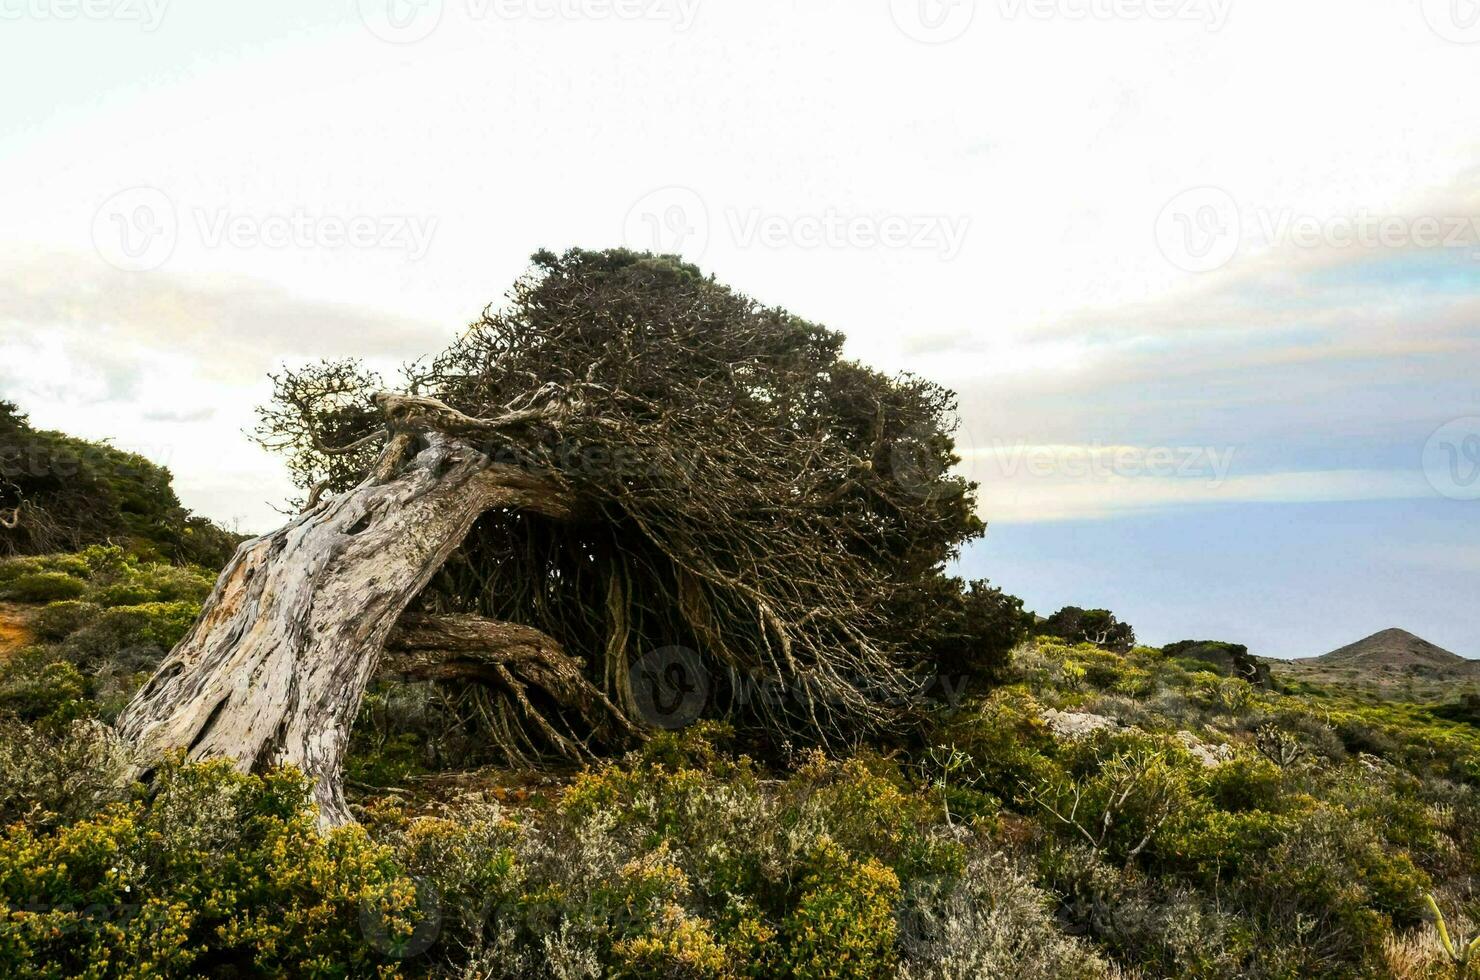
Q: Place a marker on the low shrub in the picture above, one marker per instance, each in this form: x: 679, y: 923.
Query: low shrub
x: 842, y: 924
x: 138, y: 584
x: 132, y: 637
x: 43, y: 587
x: 58, y: 776
x: 218, y: 873
x: 992, y: 921
x: 59, y: 620
x: 39, y: 688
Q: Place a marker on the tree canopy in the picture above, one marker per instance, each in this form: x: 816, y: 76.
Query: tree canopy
x: 1097, y: 626
x: 739, y: 488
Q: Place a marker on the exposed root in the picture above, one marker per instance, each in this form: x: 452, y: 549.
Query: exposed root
x: 508, y: 661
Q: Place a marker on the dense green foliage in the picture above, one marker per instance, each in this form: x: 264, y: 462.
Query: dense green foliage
x: 103, y: 619
x: 1097, y: 626
x: 1195, y: 826
x: 973, y: 626
x: 67, y: 493
x: 1232, y: 659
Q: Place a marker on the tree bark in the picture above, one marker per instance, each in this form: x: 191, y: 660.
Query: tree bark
x: 273, y: 671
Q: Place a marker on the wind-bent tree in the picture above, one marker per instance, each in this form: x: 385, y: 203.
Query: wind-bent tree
x: 627, y: 458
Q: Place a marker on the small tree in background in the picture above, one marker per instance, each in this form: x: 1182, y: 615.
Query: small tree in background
x: 974, y: 626
x: 1097, y: 626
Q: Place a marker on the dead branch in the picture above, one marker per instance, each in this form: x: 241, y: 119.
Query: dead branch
x: 418, y: 413
x: 509, y: 658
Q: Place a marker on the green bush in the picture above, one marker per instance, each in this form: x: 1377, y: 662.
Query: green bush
x: 1163, y: 928
x: 141, y: 584
x: 1210, y: 847
x: 59, y: 774
x: 1246, y: 782
x: 75, y: 566
x: 1333, y: 873
x: 1009, y: 744
x: 38, y: 688
x: 1118, y: 794
x: 992, y: 921
x: 219, y: 872
x: 129, y: 639
x: 842, y: 925
x: 59, y: 620
x: 1096, y: 626
x: 43, y: 587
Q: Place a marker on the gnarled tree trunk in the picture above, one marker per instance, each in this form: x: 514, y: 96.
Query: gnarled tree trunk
x: 274, y: 670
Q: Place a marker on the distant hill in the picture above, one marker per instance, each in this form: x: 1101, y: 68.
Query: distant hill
x: 1396, y: 651
x: 59, y: 493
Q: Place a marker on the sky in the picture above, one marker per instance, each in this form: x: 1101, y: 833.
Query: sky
x: 1205, y: 273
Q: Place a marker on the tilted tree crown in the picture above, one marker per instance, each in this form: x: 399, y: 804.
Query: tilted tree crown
x: 741, y: 489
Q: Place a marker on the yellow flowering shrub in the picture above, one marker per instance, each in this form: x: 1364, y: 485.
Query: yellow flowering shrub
x: 220, y: 871
x: 843, y: 925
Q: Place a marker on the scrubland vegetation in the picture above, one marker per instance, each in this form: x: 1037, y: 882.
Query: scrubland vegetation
x: 1080, y: 813
x: 886, y: 772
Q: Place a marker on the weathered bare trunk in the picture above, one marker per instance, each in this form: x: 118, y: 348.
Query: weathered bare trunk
x: 274, y: 670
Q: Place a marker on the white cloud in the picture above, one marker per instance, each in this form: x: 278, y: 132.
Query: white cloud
x: 1026, y: 499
